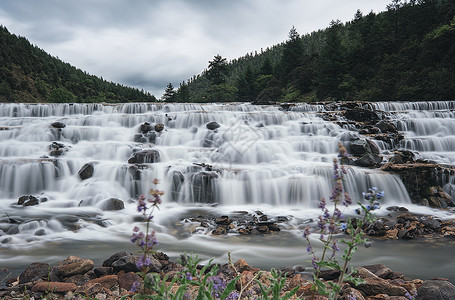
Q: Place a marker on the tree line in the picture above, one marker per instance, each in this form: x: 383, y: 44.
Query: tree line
x: 406, y: 53
x: 29, y: 74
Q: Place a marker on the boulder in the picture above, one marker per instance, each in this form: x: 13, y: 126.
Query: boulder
x: 114, y: 257
x: 436, y: 290
x: 86, y: 171
x: 212, y: 125
x: 361, y: 115
x: 125, y: 281
x: 359, y: 147
x: 368, y: 160
x: 159, y: 127
x: 27, y: 200
x: 35, y: 271
x: 74, y: 265
x: 387, y: 127
x: 58, y: 125
x: 375, y: 285
x: 112, y: 204
x: 144, y: 157
x: 54, y: 287
x: 145, y: 127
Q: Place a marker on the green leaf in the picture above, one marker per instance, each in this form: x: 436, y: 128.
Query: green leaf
x: 229, y: 288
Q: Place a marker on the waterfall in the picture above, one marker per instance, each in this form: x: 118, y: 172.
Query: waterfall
x: 256, y: 156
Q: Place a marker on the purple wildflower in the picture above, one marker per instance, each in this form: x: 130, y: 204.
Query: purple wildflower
x: 143, y: 261
x: 347, y: 200
x: 135, y: 286
x: 188, y: 276
x: 322, y: 203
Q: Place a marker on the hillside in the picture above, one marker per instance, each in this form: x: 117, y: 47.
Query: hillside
x: 29, y: 74
x: 406, y: 53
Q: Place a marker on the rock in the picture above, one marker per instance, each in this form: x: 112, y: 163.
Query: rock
x: 329, y: 274
x: 89, y: 289
x: 361, y: 115
x: 403, y: 156
x: 86, y: 171
x: 74, y: 265
x: 387, y: 127
x: 58, y: 125
x: 436, y: 290
x: 108, y: 281
x: 145, y: 127
x: 125, y: 281
x: 212, y: 125
x: 351, y: 293
x: 159, y: 127
x: 373, y: 286
x: 112, y: 204
x: 128, y: 264
x: 114, y: 257
x: 220, y: 230
x: 79, y: 279
x: 359, y: 147
x: 368, y: 160
x: 383, y: 271
x: 34, y: 272
x: 144, y: 157
x: 241, y: 265
x: 103, y: 271
x: 151, y: 137
x: 223, y: 220
x: 28, y: 200
x: 140, y: 138
x: 40, y: 232
x: 373, y: 147
x: 54, y: 287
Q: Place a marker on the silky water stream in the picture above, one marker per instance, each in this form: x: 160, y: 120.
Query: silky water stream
x: 260, y: 158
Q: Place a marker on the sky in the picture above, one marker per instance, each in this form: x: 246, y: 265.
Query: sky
x: 148, y: 43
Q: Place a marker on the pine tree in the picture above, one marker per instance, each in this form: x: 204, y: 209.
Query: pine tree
x: 169, y: 93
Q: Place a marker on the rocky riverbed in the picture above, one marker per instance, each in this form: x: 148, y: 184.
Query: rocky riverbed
x: 79, y: 278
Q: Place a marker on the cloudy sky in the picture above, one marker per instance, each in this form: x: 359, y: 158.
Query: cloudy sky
x: 149, y: 43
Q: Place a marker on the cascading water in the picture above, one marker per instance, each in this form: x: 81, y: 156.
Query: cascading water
x: 258, y: 158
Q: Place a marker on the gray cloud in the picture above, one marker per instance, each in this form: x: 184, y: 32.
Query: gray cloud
x: 147, y: 44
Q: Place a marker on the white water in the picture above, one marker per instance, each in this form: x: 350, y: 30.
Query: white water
x: 263, y: 158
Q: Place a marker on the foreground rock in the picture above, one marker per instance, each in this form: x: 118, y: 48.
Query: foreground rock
x: 76, y: 278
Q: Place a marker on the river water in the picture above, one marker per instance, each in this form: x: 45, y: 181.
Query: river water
x: 261, y: 158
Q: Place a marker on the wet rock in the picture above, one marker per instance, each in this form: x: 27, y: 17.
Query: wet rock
x: 58, y: 125
x: 40, y: 232
x: 368, y: 160
x: 28, y: 200
x: 223, y: 220
x: 397, y: 208
x: 54, y: 287
x: 57, y: 149
x: 212, y: 125
x: 374, y: 149
x: 140, y: 138
x: 86, y: 171
x: 34, y: 272
x: 144, y: 157
x: 403, y: 156
x: 386, y: 127
x: 220, y: 230
x: 361, y: 115
x: 151, y: 137
x: 145, y: 127
x: 202, y: 186
x: 436, y: 290
x: 359, y: 147
x: 159, y: 127
x: 112, y: 204
x: 74, y: 265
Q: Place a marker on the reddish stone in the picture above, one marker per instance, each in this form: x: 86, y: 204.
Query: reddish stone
x: 74, y: 265
x: 126, y: 280
x: 107, y: 281
x: 54, y: 287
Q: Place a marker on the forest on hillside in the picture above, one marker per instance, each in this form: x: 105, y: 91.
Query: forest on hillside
x: 406, y: 53
x: 29, y: 74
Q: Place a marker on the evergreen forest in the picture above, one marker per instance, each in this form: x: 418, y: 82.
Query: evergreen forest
x: 29, y: 74
x: 406, y: 53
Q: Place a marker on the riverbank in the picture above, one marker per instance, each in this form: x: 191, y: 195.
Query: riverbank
x: 80, y: 278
